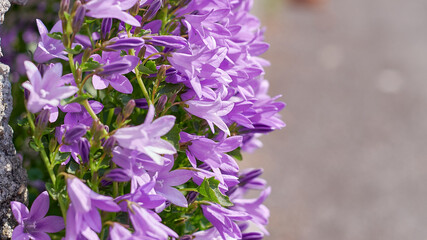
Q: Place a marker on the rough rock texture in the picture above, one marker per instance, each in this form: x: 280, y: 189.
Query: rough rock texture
x: 13, y: 178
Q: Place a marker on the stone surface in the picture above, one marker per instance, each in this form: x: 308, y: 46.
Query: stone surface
x: 13, y: 179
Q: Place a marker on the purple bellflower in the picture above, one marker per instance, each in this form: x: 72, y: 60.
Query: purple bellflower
x: 223, y: 220
x: 112, y: 9
x: 165, y: 180
x: 211, y: 111
x: 48, y: 90
x: 148, y: 224
x: 83, y: 216
x: 49, y: 48
x: 33, y: 224
x: 145, y: 138
x: 114, y: 67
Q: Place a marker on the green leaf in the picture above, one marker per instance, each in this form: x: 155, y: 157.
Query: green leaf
x: 78, y: 99
x: 72, y: 167
x: 173, y: 136
x: 60, y: 158
x: 145, y: 70
x: 55, y: 35
x: 90, y: 65
x: 34, y: 146
x: 151, y: 65
x: 51, y: 190
x: 209, y: 189
x: 76, y: 50
x: 236, y: 154
x: 169, y: 88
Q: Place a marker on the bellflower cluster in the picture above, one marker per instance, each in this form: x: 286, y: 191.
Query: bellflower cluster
x: 140, y: 110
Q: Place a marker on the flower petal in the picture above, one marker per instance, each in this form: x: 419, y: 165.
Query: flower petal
x: 40, y: 206
x: 51, y: 224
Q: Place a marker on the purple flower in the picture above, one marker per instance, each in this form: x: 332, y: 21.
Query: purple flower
x: 49, y: 48
x: 73, y: 142
x: 148, y: 224
x: 125, y: 43
x: 117, y: 231
x: 83, y: 216
x: 223, y: 220
x: 145, y: 138
x: 211, y: 152
x: 33, y: 224
x: 255, y: 209
x: 165, y: 180
x: 48, y: 90
x: 114, y: 67
x: 112, y: 9
x: 77, y: 114
x: 211, y: 111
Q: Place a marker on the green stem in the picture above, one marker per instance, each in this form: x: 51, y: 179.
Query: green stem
x: 46, y: 161
x: 142, y: 86
x: 86, y: 104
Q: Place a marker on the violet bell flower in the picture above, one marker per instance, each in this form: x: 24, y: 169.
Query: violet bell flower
x: 145, y: 138
x: 114, y: 66
x: 83, y: 216
x: 33, y: 224
x: 49, y: 48
x: 112, y: 9
x: 48, y: 90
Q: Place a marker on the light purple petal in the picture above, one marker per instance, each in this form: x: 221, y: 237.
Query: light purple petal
x: 99, y: 83
x: 20, y: 211
x: 18, y: 233
x: 40, y: 206
x: 51, y: 224
x: 173, y: 195
x: 121, y: 84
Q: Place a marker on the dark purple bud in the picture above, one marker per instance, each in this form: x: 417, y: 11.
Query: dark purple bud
x: 79, y: 18
x: 249, y: 176
x: 161, y: 103
x: 106, y: 182
x: 106, y: 27
x: 135, y: 9
x: 116, y: 67
x: 204, y: 166
x: 125, y: 43
x: 63, y: 8
x: 129, y: 108
x: 141, y: 53
x: 252, y: 236
x: 141, y: 103
x: 152, y: 10
x: 42, y: 120
x: 258, y: 128
x: 175, y: 42
x: 109, y: 144
x: 84, y: 149
x: 74, y: 134
x: 191, y: 197
x: 186, y: 237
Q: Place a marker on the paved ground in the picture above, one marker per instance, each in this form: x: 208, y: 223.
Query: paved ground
x: 351, y: 164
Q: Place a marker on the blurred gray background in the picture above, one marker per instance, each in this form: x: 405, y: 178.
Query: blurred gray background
x: 351, y: 163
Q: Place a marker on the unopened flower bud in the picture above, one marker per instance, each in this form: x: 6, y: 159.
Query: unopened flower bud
x: 74, y: 134
x: 86, y: 54
x: 79, y: 18
x: 106, y: 25
x: 191, y: 197
x: 249, y: 176
x: 115, y: 67
x: 125, y: 43
x: 252, y: 236
x: 42, y: 120
x: 98, y: 132
x: 141, y: 103
x: 109, y: 144
x: 63, y: 8
x: 84, y: 149
x: 134, y: 10
x: 141, y: 53
x: 152, y: 10
x: 127, y: 111
x: 161, y: 103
